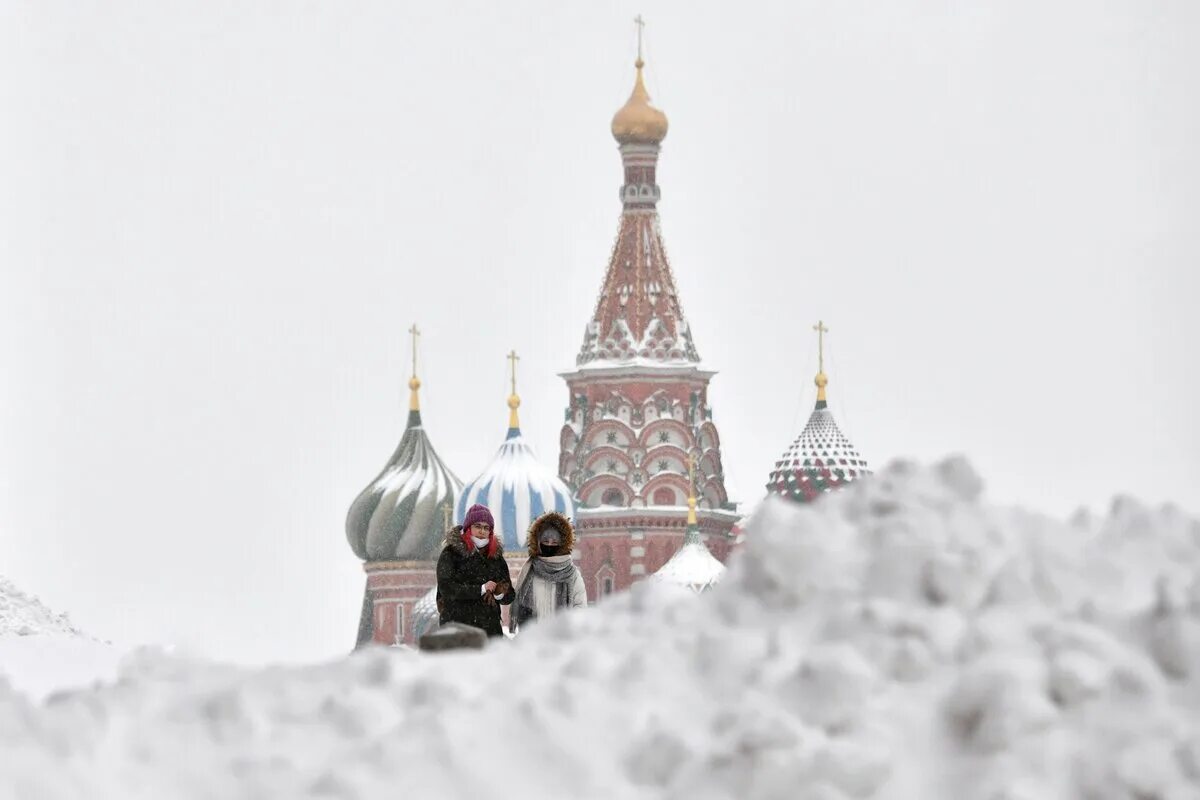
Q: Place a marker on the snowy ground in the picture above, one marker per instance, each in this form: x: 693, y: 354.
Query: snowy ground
x: 900, y: 640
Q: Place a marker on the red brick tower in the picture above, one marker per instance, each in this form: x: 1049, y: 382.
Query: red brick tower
x: 639, y: 405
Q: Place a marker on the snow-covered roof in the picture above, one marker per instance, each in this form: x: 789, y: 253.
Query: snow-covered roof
x: 642, y: 365
x: 638, y: 313
x: 656, y: 512
x: 692, y: 566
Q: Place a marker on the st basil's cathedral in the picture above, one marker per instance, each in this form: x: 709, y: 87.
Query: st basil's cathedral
x: 639, y: 462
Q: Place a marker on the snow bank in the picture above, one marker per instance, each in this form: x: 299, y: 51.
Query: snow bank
x: 24, y: 615
x: 899, y: 640
x: 41, y: 652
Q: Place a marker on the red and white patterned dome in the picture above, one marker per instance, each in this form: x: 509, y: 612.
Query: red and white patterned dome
x: 821, y: 458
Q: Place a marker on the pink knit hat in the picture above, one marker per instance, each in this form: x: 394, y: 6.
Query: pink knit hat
x: 478, y: 513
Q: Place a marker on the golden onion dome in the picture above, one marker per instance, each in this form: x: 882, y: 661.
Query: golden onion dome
x: 638, y: 122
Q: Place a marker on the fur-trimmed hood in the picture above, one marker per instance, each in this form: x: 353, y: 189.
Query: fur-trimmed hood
x: 454, y: 542
x: 558, y: 521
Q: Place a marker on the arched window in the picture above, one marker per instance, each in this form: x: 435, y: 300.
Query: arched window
x: 612, y: 497
x: 605, y: 581
x: 664, y: 496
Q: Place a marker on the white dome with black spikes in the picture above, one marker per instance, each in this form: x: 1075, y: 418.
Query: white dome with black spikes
x: 821, y: 458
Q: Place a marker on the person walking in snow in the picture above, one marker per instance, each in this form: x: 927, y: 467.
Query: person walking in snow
x: 549, y: 581
x: 472, y: 575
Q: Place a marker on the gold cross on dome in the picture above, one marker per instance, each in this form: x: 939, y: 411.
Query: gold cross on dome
x: 641, y: 23
x: 416, y: 334
x: 821, y: 331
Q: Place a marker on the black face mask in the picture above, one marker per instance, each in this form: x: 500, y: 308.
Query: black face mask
x: 548, y: 549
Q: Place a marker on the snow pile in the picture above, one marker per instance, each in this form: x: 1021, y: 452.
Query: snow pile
x: 42, y: 652
x: 899, y: 640
x: 23, y: 615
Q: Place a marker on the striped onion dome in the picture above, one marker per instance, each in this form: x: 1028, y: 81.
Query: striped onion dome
x: 821, y: 459
x: 402, y: 514
x: 425, y: 618
x: 516, y: 488
x: 693, y: 566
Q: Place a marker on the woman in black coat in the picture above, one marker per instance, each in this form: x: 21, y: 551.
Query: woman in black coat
x: 472, y: 575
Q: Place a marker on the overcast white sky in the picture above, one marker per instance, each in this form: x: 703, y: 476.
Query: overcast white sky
x: 217, y: 219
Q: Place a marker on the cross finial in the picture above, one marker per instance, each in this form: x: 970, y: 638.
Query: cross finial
x: 514, y: 423
x: 414, y: 383
x: 513, y: 358
x: 821, y: 331
x: 641, y: 24
x: 416, y: 334
x: 821, y: 380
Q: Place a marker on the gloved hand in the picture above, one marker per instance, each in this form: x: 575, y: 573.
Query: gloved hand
x: 489, y: 598
x: 502, y: 588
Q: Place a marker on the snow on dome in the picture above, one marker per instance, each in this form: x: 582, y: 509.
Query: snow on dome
x: 401, y: 515
x: 692, y: 566
x: 901, y: 639
x: 820, y: 459
x: 517, y: 489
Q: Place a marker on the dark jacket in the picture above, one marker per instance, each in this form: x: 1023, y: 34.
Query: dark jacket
x: 459, y: 576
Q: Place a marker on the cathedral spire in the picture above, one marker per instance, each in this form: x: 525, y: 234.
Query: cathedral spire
x: 638, y: 315
x: 638, y: 402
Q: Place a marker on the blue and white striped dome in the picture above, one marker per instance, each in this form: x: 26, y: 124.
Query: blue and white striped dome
x: 516, y: 488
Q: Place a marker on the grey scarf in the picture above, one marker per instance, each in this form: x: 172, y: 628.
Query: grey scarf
x: 560, y: 573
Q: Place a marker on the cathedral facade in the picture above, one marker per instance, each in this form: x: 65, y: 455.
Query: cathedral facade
x: 639, y: 464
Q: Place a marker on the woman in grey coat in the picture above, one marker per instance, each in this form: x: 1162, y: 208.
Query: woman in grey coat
x: 549, y: 582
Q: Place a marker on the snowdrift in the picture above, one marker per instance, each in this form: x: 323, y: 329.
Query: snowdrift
x: 899, y: 640
x: 42, y: 652
x: 24, y: 615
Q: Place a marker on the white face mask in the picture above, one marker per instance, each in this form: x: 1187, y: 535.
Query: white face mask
x: 480, y: 543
